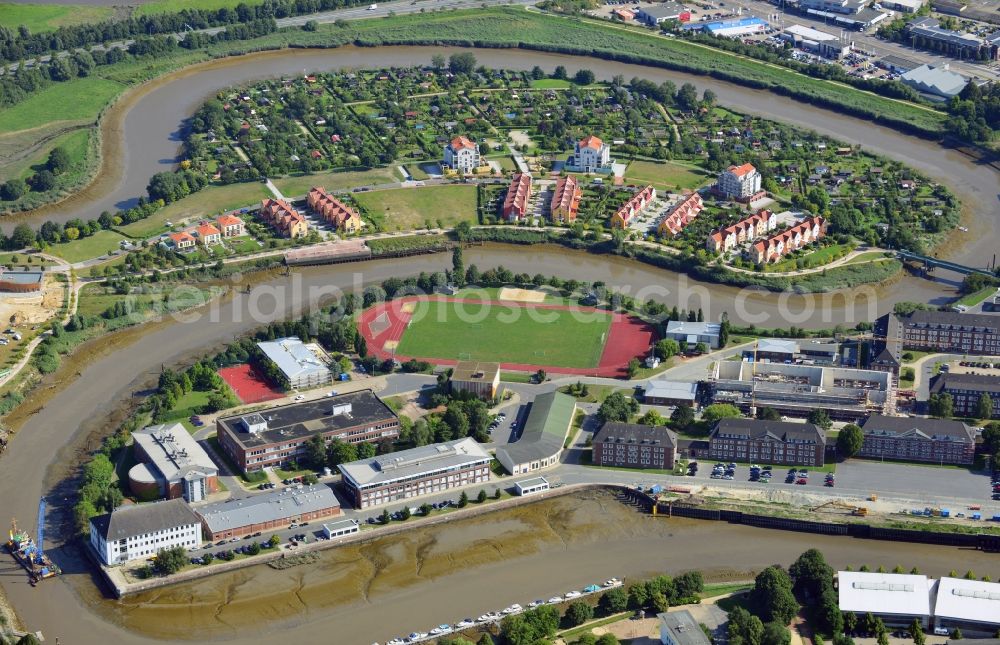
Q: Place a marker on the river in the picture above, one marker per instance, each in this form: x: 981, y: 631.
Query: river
x: 144, y: 132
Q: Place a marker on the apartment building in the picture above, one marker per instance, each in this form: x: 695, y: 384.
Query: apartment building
x: 632, y: 445
x: 462, y: 155
x: 966, y: 390
x: 948, y: 331
x: 746, y: 230
x: 769, y: 442
x: 339, y: 215
x: 283, y: 218
x: 739, y: 182
x: 937, y: 441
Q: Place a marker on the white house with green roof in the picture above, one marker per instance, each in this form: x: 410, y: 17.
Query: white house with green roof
x: 544, y: 434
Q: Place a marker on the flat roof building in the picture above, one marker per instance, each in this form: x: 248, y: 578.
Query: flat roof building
x: 531, y: 486
x: 662, y: 12
x: 633, y: 445
x: 419, y: 471
x: 680, y: 628
x: 480, y: 378
x: 339, y: 529
x: 694, y: 332
x: 663, y: 392
x: 138, y: 531
x: 171, y: 464
x: 544, y: 434
x: 935, y: 80
x: 303, y: 365
x: 277, y: 435
x: 768, y: 442
x: 938, y: 441
x: 896, y: 598
x: 847, y: 394
x: 267, y: 511
x: 970, y: 605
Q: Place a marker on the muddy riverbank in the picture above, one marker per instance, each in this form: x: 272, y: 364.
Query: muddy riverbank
x: 146, y: 128
x: 426, y: 576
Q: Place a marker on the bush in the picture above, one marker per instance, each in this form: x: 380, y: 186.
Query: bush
x: 578, y: 613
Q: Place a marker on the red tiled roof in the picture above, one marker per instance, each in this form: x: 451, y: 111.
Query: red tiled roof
x: 205, y: 230
x: 566, y: 196
x: 226, y: 221
x: 516, y: 201
x: 183, y: 236
x: 739, y: 171
x: 459, y: 143
x: 591, y: 142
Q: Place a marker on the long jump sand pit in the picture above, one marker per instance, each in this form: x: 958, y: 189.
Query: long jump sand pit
x: 521, y: 295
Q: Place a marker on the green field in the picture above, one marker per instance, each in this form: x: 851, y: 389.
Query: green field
x: 815, y: 258
x: 87, y: 248
x: 206, y: 203
x: 669, y: 176
x: 172, y: 6
x: 46, y: 17
x: 78, y: 100
x: 973, y: 299
x: 405, y: 209
x: 550, y: 84
x: 498, y: 332
x: 297, y: 185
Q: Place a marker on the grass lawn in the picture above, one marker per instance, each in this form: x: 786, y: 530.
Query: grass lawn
x: 300, y: 184
x: 75, y: 143
x: 666, y: 175
x: 75, y: 100
x: 98, y: 269
x: 550, y: 84
x: 973, y: 299
x: 817, y: 258
x: 867, y: 256
x: 206, y: 203
x: 721, y: 588
x: 406, y: 209
x: 24, y: 259
x: 86, y: 248
x: 450, y: 330
x: 188, y: 404
x: 171, y: 6
x: 914, y: 355
x: 517, y: 377
x: 47, y: 17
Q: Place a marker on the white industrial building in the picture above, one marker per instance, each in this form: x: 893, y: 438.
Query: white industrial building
x: 304, y: 365
x: 817, y: 42
x: 139, y: 531
x: 898, y: 599
x: 936, y: 81
x: 694, y: 332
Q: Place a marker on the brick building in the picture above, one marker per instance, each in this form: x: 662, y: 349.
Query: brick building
x: 631, y: 445
x: 769, y: 442
x: 966, y: 390
x: 276, y: 436
x: 947, y: 331
x: 913, y: 439
x: 412, y: 473
x: 267, y: 512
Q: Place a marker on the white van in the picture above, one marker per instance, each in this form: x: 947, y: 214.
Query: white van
x: 941, y: 631
x: 372, y: 7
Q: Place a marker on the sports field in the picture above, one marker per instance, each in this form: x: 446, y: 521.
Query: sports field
x: 520, y: 335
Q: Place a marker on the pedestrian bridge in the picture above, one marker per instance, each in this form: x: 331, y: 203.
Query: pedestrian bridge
x: 932, y: 263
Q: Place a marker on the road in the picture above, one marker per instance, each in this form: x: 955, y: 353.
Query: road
x: 361, y: 12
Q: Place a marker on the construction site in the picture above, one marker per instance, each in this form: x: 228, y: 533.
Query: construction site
x: 33, y: 306
x: 796, y: 390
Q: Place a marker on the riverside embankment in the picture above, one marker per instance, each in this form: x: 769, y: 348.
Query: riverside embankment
x: 145, y: 129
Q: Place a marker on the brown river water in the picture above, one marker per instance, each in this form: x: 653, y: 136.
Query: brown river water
x: 592, y: 539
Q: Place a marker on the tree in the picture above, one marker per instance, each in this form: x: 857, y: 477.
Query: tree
x: 775, y: 634
x: 850, y: 622
x: 717, y: 411
x: 744, y: 628
x: 274, y: 541
x: 701, y: 348
x: 772, y: 596
x: 42, y: 181
x: 458, y: 266
x: 463, y: 500
x: 614, y: 601
x: 170, y: 561
x: 584, y: 77
x: 207, y: 558
x: 560, y: 73
x: 254, y: 548
x: 984, y: 407
x: 341, y: 452
x: 59, y: 161
x: 481, y: 497
x: 820, y: 417
x: 531, y: 627
x: 404, y: 514
x: 425, y: 509
x: 13, y: 189
x: 956, y: 634
x: 682, y: 417
x: 384, y: 518
x: 310, y: 25
x: 617, y: 407
x: 638, y: 596
x: 578, y: 613
x: 917, y: 633
x: 768, y: 414
x: 941, y: 405
x: 22, y: 237
x: 437, y: 61
x: 462, y: 63
x: 666, y: 348
x: 850, y: 440
x: 810, y: 574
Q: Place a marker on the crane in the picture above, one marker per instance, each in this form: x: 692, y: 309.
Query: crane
x: 40, y: 557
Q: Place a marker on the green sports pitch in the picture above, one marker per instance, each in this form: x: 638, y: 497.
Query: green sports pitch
x: 491, y: 331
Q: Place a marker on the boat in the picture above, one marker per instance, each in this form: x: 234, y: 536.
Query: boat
x: 591, y: 589
x: 535, y: 603
x: 485, y: 618
x: 441, y: 629
x: 462, y: 624
x: 573, y: 594
x: 555, y: 600
x: 28, y: 553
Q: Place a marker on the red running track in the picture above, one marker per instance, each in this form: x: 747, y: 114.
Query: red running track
x: 628, y: 338
x: 249, y: 387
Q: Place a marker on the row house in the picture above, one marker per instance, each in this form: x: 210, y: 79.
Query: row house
x: 635, y: 205
x: 335, y: 212
x: 565, y: 200
x: 746, y: 230
x: 231, y: 226
x: 284, y: 219
x: 515, y: 204
x: 682, y: 214
x: 781, y: 244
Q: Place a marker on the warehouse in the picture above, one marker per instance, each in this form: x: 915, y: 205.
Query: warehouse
x: 419, y: 471
x: 543, y: 437
x: 735, y: 28
x: 898, y: 599
x: 304, y: 365
x: 816, y: 41
x: 171, y: 464
x: 663, y: 392
x: 693, y: 333
x: 663, y: 12
x: 936, y: 81
x: 268, y: 511
x: 970, y: 605
x: 278, y: 435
